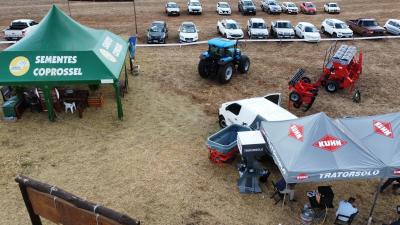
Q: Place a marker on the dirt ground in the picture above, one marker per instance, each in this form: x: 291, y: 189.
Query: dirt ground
x: 153, y: 165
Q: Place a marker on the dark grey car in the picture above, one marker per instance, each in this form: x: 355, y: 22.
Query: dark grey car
x: 157, y: 32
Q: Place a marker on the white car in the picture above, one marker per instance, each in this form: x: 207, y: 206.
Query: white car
x: 230, y: 29
x: 19, y: 29
x: 223, y: 8
x: 336, y: 28
x: 188, y: 32
x: 257, y: 28
x: 194, y: 7
x: 250, y: 112
x: 282, y: 29
x: 393, y: 26
x: 331, y: 7
x: 308, y: 32
x: 290, y: 8
x: 171, y: 8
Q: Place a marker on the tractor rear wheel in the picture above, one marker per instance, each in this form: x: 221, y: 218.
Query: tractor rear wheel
x: 202, y: 68
x: 244, y: 64
x: 295, y: 97
x: 331, y: 86
x: 225, y: 73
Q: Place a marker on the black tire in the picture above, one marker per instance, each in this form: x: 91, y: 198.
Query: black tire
x: 225, y: 73
x: 295, y: 97
x: 222, y: 121
x: 331, y: 86
x: 357, y: 96
x: 297, y: 104
x: 307, y: 107
x: 306, y: 80
x: 323, y: 30
x: 262, y: 8
x: 244, y: 64
x: 202, y: 68
x: 334, y: 35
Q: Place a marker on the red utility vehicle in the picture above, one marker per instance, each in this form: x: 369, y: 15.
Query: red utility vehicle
x: 308, y: 8
x: 341, y: 70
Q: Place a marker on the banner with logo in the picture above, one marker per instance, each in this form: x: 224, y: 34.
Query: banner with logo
x: 315, y: 149
x: 381, y: 135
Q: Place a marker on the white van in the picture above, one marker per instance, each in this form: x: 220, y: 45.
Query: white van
x: 250, y: 112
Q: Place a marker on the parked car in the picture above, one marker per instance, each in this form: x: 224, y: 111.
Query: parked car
x: 251, y: 112
x: 188, y: 32
x: 336, y: 28
x: 282, y: 29
x: 19, y: 29
x: 308, y: 32
x: 308, y: 8
x: 257, y: 28
x: 247, y: 7
x: 172, y: 9
x: 393, y: 26
x: 271, y: 7
x: 331, y: 7
x: 230, y: 29
x: 366, y: 27
x: 194, y: 7
x: 223, y: 8
x: 289, y: 8
x: 157, y: 32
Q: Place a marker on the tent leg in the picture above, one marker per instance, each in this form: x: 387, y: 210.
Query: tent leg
x: 126, y: 80
x: 374, y: 203
x: 118, y: 99
x: 49, y: 102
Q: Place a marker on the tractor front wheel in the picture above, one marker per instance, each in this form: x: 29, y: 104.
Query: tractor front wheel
x: 203, y: 70
x: 244, y: 64
x: 331, y: 86
x: 225, y: 73
x: 306, y: 80
x: 295, y: 97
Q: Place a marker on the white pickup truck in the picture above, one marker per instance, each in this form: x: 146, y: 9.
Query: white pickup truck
x: 229, y: 29
x: 250, y: 112
x: 19, y: 29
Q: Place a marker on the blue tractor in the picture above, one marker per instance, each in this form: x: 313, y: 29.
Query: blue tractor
x: 221, y: 59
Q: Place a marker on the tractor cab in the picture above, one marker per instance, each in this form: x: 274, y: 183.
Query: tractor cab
x: 222, y: 57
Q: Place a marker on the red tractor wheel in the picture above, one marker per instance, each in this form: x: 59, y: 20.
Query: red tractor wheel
x: 306, y: 80
x: 331, y: 86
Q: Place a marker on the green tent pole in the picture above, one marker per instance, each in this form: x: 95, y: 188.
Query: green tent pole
x: 118, y: 98
x: 49, y: 102
x: 126, y: 80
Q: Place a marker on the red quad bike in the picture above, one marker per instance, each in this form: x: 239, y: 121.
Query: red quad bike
x: 340, y: 71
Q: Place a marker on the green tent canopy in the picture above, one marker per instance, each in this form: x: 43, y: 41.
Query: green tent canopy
x: 60, y: 51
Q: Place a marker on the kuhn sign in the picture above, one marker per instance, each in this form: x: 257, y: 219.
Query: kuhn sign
x: 383, y: 128
x: 296, y: 132
x: 302, y: 176
x: 329, y: 143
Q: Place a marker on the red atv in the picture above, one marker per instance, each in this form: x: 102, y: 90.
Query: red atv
x: 341, y: 70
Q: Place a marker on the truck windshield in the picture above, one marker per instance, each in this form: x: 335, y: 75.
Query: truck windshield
x: 248, y: 3
x: 195, y: 3
x: 310, y: 5
x: 259, y: 26
x: 340, y: 26
x: 223, y: 5
x: 369, y: 23
x: 332, y: 5
x: 272, y: 3
x: 172, y: 5
x: 232, y: 26
x: 291, y: 5
x: 156, y: 28
x: 283, y: 25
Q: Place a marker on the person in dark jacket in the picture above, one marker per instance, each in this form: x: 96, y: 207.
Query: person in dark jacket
x: 389, y: 182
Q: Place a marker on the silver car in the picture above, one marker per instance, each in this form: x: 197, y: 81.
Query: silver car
x: 393, y: 26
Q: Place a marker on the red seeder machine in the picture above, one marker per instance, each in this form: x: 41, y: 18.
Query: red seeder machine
x: 340, y: 71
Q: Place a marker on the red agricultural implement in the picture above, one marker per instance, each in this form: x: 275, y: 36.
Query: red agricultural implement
x: 341, y: 70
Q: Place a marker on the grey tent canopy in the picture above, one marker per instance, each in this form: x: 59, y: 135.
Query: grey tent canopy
x: 316, y: 149
x: 381, y: 134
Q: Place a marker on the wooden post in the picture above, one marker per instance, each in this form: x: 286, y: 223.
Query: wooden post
x: 35, y: 219
x: 134, y: 11
x: 118, y: 99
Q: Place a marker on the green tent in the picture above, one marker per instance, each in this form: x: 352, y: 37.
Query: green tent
x: 61, y: 51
